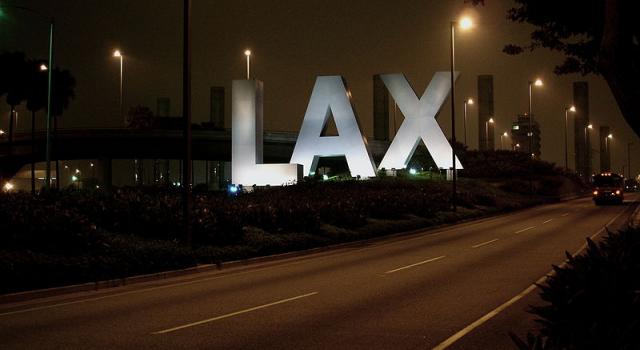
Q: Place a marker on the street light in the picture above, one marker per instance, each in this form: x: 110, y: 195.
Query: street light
x: 119, y: 55
x: 538, y: 83
x: 486, y: 130
x: 505, y: 134
x: 247, y: 53
x: 43, y: 67
x: 467, y: 102
x: 586, y: 141
x: 566, y: 137
x: 464, y: 23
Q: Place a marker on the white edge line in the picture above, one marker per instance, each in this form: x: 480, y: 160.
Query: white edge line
x: 466, y: 330
x: 547, y: 221
x: 255, y: 308
x: 525, y: 229
x: 414, y: 265
x: 565, y: 214
x: 485, y: 243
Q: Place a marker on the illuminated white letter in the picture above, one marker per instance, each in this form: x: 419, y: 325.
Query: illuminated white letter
x: 419, y: 122
x: 330, y: 97
x: 246, y: 140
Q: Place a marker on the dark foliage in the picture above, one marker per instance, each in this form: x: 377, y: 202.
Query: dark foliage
x: 594, y: 301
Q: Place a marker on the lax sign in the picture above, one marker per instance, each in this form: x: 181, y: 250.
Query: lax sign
x: 330, y: 97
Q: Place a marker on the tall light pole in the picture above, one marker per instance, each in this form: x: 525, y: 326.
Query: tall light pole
x: 248, y: 54
x: 537, y: 82
x: 566, y: 137
x: 504, y: 135
x: 606, y: 147
x: 467, y: 102
x: 464, y: 23
x: 587, y: 143
x: 486, y: 132
x: 118, y: 54
x: 629, y: 144
x: 186, y: 112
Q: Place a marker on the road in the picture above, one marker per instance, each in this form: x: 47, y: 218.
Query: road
x: 411, y: 292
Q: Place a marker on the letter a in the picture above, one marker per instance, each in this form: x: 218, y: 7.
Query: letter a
x: 420, y: 121
x: 329, y: 97
x: 246, y: 141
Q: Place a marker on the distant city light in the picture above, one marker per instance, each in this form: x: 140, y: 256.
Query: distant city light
x: 233, y: 190
x: 247, y: 52
x: 470, y: 101
x: 505, y: 134
x: 590, y: 126
x: 413, y: 171
x: 8, y: 187
x: 43, y: 67
x: 74, y: 178
x: 91, y: 165
x: 572, y: 108
x: 117, y: 53
x: 77, y: 171
x: 538, y: 82
x: 325, y: 177
x: 610, y: 136
x: 1, y: 132
x: 491, y: 120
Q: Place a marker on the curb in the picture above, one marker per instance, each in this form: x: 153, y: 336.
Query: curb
x: 119, y: 282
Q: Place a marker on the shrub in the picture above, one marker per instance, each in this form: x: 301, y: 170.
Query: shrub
x: 593, y: 302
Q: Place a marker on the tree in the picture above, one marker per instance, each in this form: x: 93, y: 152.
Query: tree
x: 36, y: 100
x: 13, y: 67
x: 596, y: 36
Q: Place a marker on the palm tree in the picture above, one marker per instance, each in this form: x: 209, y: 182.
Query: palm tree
x: 62, y: 92
x: 13, y: 68
x: 36, y: 100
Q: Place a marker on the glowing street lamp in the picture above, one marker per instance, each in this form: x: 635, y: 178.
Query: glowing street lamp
x: 486, y: 131
x: 119, y: 55
x: 467, y: 102
x: 566, y: 137
x: 43, y: 67
x: 504, y: 135
x: 538, y: 83
x: 247, y: 53
x: 464, y: 23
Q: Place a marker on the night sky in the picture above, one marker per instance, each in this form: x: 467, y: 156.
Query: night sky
x: 293, y: 41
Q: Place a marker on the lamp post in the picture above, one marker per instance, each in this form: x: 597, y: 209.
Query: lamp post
x: 118, y: 54
x: 587, y: 143
x: 629, y: 144
x: 186, y: 111
x: 504, y: 135
x: 606, y: 147
x: 566, y: 137
x: 248, y: 54
x: 537, y: 82
x: 467, y: 102
x: 464, y: 23
x: 486, y: 132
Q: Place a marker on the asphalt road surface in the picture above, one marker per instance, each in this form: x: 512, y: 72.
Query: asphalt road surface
x: 462, y: 287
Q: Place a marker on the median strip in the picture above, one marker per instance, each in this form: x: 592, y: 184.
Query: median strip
x: 416, y: 264
x: 485, y: 243
x: 255, y: 308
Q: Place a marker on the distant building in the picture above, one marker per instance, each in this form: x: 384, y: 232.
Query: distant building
x: 520, y: 136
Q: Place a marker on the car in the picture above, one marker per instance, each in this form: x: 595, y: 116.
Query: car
x: 631, y: 185
x: 608, y: 188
